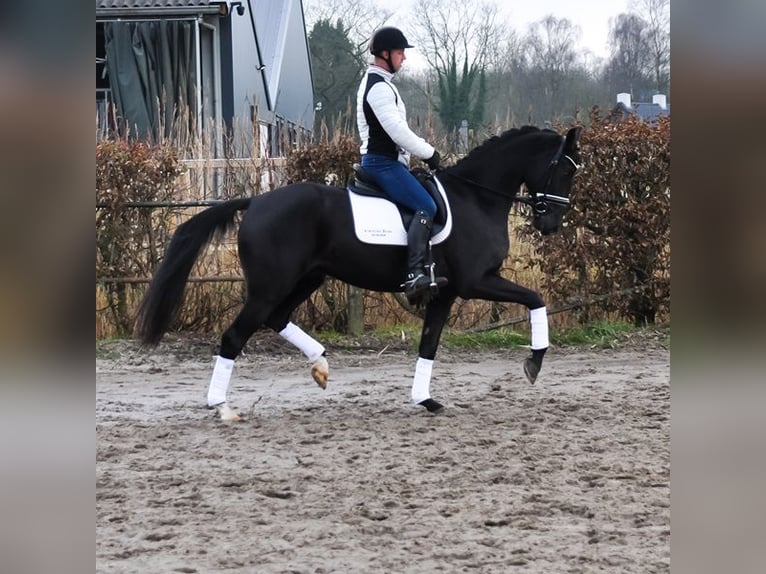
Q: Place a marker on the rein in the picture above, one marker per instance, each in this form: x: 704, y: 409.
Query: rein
x: 489, y: 189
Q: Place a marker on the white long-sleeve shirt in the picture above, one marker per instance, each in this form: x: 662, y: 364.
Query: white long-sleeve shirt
x: 381, y: 118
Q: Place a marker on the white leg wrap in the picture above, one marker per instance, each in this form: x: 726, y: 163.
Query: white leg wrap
x: 219, y: 382
x: 538, y: 319
x: 421, y: 384
x: 309, y: 346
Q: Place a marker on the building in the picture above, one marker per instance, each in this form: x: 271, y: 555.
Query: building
x: 647, y: 112
x: 235, y: 71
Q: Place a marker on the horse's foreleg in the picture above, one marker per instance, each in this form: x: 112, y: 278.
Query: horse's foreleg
x: 496, y: 288
x: 437, y: 312
x: 538, y: 321
x: 313, y: 349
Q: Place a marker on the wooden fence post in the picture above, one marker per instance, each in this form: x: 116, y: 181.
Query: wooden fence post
x: 355, y: 310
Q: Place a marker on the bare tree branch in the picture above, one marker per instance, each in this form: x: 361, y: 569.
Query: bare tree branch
x: 656, y: 13
x: 474, y: 34
x: 360, y: 17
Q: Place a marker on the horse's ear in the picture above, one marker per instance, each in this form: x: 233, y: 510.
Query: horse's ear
x: 573, y: 137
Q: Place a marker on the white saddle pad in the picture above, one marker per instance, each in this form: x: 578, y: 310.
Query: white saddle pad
x: 378, y: 221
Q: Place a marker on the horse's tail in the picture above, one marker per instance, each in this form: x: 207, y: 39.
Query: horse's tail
x: 163, y: 298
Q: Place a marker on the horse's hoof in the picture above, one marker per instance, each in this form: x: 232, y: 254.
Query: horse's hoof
x: 228, y: 414
x: 320, y: 370
x: 432, y: 406
x: 531, y: 370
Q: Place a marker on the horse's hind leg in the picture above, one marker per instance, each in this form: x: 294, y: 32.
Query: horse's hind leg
x: 232, y: 342
x: 279, y: 321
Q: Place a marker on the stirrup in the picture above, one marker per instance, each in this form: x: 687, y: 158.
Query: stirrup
x: 411, y: 286
x: 436, y: 282
x: 417, y: 285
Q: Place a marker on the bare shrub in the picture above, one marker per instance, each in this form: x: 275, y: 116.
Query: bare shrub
x: 129, y: 241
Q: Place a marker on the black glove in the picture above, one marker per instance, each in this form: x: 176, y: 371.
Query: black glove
x: 433, y: 161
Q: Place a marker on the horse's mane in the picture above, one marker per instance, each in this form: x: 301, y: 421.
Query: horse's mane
x: 495, y: 140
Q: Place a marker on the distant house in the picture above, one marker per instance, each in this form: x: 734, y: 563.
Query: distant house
x: 216, y: 68
x: 647, y: 112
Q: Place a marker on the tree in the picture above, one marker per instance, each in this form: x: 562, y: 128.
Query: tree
x: 656, y: 13
x: 453, y: 34
x: 551, y: 60
x: 455, y: 95
x: 347, y: 40
x: 337, y: 70
x: 629, y: 67
x: 360, y: 19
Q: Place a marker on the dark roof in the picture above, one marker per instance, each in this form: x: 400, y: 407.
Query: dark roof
x: 650, y: 111
x: 647, y: 112
x: 155, y: 7
x: 149, y: 3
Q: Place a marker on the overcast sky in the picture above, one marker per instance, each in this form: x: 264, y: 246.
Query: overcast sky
x: 591, y: 16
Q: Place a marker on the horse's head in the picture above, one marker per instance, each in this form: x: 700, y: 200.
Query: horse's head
x: 543, y: 160
x: 549, y: 182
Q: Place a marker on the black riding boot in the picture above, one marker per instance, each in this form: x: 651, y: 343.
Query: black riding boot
x: 418, y: 273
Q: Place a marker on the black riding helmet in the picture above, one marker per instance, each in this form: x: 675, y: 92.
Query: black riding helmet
x: 388, y: 38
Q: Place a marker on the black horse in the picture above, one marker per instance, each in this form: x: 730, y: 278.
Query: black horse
x: 292, y: 238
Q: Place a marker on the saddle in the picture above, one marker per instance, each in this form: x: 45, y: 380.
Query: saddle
x: 361, y: 183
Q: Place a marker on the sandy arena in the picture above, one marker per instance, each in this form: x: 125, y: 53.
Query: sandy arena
x: 569, y: 475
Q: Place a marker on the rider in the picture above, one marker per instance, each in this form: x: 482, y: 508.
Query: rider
x: 388, y: 143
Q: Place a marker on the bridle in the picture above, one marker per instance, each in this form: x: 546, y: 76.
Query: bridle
x: 539, y: 202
